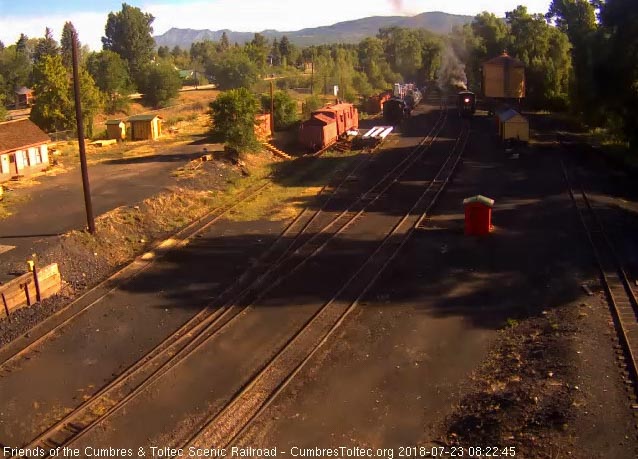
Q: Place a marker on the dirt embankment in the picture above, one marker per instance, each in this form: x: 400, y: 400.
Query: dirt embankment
x: 127, y: 231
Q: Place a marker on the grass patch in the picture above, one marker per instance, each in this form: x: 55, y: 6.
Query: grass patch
x: 295, y: 184
x: 9, y: 202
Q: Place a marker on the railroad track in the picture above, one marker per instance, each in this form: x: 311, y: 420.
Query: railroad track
x: 222, y: 428
x: 619, y: 291
x: 64, y: 316
x: 115, y: 395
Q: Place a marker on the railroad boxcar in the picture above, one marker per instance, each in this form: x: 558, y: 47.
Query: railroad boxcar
x: 466, y: 103
x: 319, y: 132
x: 374, y: 104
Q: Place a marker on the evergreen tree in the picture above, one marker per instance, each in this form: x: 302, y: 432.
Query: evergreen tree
x: 129, y: 33
x: 224, y: 43
x: 46, y: 46
x: 66, y: 44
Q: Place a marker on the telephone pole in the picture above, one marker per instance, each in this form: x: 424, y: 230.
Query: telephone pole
x: 272, y: 107
x: 80, y: 125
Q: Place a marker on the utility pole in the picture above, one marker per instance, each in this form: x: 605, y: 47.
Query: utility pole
x: 312, y: 77
x: 272, y: 107
x: 80, y: 124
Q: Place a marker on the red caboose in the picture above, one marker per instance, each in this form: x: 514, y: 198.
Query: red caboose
x: 318, y: 132
x: 327, y: 124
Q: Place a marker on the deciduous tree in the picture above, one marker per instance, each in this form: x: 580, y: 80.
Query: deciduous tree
x: 160, y: 84
x: 233, y: 114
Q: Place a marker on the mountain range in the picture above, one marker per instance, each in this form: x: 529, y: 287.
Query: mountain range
x: 341, y: 32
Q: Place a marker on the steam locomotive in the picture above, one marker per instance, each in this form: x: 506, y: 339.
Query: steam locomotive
x: 466, y: 103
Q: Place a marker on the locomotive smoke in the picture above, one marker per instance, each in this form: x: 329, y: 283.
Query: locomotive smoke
x: 451, y: 72
x: 397, y: 5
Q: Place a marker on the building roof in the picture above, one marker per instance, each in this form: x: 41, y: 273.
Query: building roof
x: 15, y: 135
x: 113, y: 122
x: 23, y: 90
x: 505, y: 59
x: 511, y: 115
x: 337, y: 107
x: 144, y: 117
x: 318, y: 118
x: 479, y: 199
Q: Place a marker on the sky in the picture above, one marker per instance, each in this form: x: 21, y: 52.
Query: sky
x: 89, y: 16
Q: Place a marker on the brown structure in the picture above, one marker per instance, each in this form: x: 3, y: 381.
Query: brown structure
x: 116, y: 129
x: 513, y: 126
x: 262, y: 127
x: 327, y: 124
x: 145, y: 127
x: 504, y: 78
x: 24, y: 97
x: 23, y: 149
x: 318, y: 132
x: 374, y: 104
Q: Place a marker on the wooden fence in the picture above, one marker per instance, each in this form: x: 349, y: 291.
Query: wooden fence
x: 29, y: 288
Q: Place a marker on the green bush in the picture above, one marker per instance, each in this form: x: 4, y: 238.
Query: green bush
x: 286, y: 112
x: 311, y: 104
x: 233, y: 114
x: 160, y: 83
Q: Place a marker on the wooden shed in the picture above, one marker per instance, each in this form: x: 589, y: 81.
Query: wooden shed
x: 116, y: 129
x: 513, y: 126
x: 145, y: 127
x: 504, y: 78
x: 24, y: 97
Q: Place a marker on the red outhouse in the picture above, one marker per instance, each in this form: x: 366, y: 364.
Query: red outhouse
x: 478, y: 215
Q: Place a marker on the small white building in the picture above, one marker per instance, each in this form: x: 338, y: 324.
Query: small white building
x: 23, y: 149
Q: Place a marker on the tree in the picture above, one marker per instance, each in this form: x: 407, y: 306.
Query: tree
x: 111, y: 76
x: 286, y: 112
x: 46, y: 46
x: 311, y: 104
x: 163, y: 52
x: 577, y: 19
x: 257, y: 51
x: 160, y: 84
x: 129, y: 33
x: 285, y: 50
x: 21, y: 44
x: 91, y: 98
x: 275, y: 53
x: 545, y: 50
x: 618, y: 66
x: 66, y: 44
x: 233, y: 70
x: 233, y: 114
x: 54, y: 107
x: 3, y: 110
x: 53, y: 103
x: 224, y: 43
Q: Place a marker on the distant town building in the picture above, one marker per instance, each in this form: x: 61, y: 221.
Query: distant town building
x: 24, y: 97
